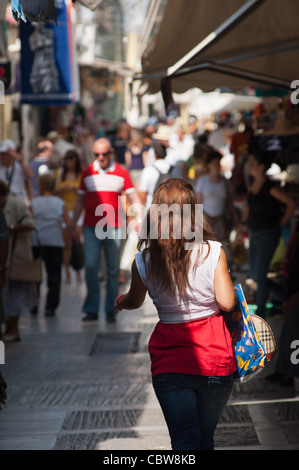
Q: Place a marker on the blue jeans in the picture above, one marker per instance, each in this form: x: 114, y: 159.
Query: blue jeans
x: 192, y: 405
x: 262, y: 246
x: 92, y: 251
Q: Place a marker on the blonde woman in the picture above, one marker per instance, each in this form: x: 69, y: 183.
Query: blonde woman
x: 68, y: 182
x: 136, y: 156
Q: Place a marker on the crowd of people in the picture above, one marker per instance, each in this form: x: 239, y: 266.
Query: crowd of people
x: 97, y: 199
x: 74, y: 181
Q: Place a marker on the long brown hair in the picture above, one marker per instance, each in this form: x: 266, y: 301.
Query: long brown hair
x: 169, y: 260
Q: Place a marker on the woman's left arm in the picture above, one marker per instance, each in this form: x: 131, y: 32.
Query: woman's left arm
x: 66, y: 218
x: 283, y: 197
x: 136, y: 294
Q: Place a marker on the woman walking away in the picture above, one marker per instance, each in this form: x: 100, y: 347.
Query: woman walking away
x: 192, y: 358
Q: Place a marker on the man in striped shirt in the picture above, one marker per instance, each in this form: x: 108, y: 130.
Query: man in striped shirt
x: 102, y: 184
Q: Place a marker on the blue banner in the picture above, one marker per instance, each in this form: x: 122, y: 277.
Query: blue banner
x: 46, y: 61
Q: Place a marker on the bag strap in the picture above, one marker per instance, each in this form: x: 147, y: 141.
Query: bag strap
x: 15, y: 235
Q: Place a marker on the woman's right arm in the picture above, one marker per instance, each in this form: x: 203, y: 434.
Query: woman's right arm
x: 224, y: 289
x: 134, y: 298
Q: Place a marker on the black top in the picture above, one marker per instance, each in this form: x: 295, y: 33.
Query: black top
x: 120, y: 147
x: 264, y: 209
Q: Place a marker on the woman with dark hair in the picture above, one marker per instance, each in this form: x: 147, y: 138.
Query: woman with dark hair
x: 68, y: 182
x: 192, y: 358
x: 268, y: 209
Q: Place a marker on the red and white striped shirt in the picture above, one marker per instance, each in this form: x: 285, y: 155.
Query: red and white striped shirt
x: 104, y: 187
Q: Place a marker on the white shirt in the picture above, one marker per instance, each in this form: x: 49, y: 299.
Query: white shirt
x: 48, y: 215
x: 200, y: 301
x: 217, y: 139
x: 214, y: 196
x: 149, y: 178
x: 184, y: 147
x: 173, y: 156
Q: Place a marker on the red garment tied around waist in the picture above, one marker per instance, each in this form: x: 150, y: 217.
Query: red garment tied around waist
x: 202, y: 347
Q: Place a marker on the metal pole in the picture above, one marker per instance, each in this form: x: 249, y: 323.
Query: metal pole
x: 235, y: 72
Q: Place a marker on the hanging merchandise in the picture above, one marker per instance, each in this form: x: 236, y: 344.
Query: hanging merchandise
x: 37, y: 11
x: 17, y: 10
x: 47, y: 61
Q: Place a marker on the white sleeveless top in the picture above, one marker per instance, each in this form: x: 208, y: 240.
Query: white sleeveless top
x: 200, y: 301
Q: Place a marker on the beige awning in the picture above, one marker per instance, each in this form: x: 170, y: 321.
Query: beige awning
x: 227, y: 46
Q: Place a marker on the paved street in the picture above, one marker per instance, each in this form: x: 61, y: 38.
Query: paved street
x: 75, y: 386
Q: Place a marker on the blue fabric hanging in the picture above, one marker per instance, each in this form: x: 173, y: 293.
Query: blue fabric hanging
x: 35, y: 11
x: 17, y: 10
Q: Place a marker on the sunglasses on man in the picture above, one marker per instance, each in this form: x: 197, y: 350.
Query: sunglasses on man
x: 105, y: 154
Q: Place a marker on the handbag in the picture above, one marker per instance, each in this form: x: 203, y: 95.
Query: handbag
x: 265, y: 335
x: 253, y: 339
x: 24, y: 270
x: 77, y: 256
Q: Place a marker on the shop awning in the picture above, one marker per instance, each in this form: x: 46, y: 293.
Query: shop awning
x: 210, y: 44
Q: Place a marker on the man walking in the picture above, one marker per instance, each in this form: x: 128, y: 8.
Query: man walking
x: 102, y: 183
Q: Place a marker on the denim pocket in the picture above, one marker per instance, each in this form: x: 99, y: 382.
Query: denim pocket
x: 220, y: 387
